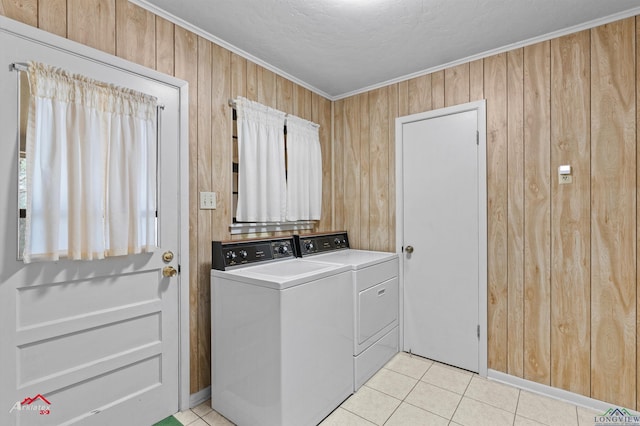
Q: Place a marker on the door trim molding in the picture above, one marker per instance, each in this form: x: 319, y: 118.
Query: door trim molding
x: 69, y: 46
x: 480, y: 108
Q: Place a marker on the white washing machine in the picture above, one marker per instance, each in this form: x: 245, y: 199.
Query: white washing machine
x: 375, y: 298
x: 281, y: 334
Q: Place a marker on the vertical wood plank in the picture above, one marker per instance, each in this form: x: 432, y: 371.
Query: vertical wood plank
x: 495, y: 87
x: 252, y: 81
x: 638, y: 212
x: 365, y: 172
x: 52, y: 16
x: 135, y: 34
x: 419, y: 94
x: 165, y: 46
x: 238, y: 76
x: 537, y: 205
x: 391, y: 148
x: 284, y: 95
x: 25, y: 11
x: 379, y: 169
x: 403, y: 98
x: 186, y: 55
x: 352, y: 169
x: 515, y: 215
x: 476, y: 80
x: 340, y: 145
x: 613, y: 203
x: 93, y: 23
x: 570, y: 220
x: 302, y: 102
x: 221, y: 136
x: 456, y: 83
x: 322, y: 116
x: 205, y: 183
x: 437, y: 90
x: 267, y: 90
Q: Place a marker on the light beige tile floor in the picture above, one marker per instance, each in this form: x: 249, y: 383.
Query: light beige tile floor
x: 413, y: 391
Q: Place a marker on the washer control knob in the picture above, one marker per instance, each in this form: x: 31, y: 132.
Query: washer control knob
x: 231, y: 255
x: 283, y: 249
x: 309, y: 245
x: 337, y: 241
x: 243, y: 254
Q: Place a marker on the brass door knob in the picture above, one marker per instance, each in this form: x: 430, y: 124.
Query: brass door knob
x: 169, y: 271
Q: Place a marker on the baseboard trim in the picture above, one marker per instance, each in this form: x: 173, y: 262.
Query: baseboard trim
x: 199, y: 397
x: 556, y: 393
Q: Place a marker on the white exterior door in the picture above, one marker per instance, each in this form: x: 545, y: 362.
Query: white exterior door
x: 442, y: 178
x: 88, y: 342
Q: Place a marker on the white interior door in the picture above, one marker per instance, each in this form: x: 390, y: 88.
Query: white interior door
x: 442, y: 200
x: 90, y: 342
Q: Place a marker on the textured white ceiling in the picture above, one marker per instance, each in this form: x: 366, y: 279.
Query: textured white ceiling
x: 338, y: 47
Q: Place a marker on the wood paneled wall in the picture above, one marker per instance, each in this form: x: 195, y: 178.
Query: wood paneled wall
x: 563, y: 259
x: 562, y: 276
x: 214, y: 75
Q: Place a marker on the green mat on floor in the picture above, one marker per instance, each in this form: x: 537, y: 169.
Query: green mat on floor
x: 169, y: 421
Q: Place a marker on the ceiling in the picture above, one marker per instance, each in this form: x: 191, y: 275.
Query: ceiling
x: 341, y: 47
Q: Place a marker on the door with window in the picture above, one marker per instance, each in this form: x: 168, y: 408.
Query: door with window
x: 88, y: 342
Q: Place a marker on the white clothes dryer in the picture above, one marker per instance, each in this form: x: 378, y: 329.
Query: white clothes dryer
x: 281, y: 334
x: 375, y: 298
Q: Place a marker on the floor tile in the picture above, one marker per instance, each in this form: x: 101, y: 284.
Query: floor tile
x: 435, y: 399
x: 371, y: 404
x: 213, y: 418
x: 203, y: 409
x: 341, y: 417
x: 493, y: 393
x: 199, y: 422
x: 523, y: 421
x: 392, y: 383
x: 409, y: 415
x: 586, y: 416
x: 186, y: 417
x: 447, y: 378
x: 545, y: 410
x: 412, y: 366
x: 475, y: 413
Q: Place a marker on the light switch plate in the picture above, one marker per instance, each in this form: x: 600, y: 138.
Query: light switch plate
x: 207, y: 200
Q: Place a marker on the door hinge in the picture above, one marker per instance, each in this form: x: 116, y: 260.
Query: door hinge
x: 478, y: 329
x: 477, y: 137
x: 178, y: 268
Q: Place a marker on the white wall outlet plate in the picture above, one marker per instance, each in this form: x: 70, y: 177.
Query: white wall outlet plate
x: 207, y: 200
x: 564, y: 179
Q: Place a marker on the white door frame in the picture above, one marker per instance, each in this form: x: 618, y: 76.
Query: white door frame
x: 480, y: 107
x: 56, y: 42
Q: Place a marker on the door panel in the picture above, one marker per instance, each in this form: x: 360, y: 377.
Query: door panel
x: 441, y: 275
x: 94, y: 341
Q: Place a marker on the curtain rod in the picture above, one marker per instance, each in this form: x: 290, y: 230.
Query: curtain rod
x: 232, y: 103
x: 18, y: 66
x: 22, y: 67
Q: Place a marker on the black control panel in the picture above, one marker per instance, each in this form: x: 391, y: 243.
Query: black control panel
x: 321, y: 243
x: 230, y: 254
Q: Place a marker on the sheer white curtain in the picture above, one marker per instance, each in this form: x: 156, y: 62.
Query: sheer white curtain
x: 91, y: 168
x: 304, y: 170
x: 261, y: 170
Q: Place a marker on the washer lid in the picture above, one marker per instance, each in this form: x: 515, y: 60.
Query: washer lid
x: 283, y: 274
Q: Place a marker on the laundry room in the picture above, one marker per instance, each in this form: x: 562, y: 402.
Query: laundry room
x: 539, y: 218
